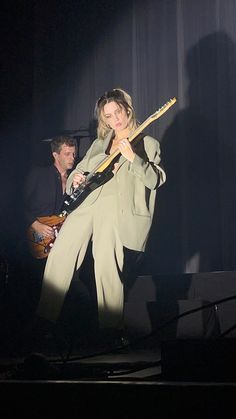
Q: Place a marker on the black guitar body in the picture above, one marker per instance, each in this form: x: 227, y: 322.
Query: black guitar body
x: 92, y: 182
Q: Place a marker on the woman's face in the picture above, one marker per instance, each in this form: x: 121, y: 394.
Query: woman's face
x: 115, y: 116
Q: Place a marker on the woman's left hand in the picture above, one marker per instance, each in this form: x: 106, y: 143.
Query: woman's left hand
x: 126, y: 150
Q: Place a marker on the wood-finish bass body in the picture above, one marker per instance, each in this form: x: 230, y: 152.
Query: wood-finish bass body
x: 40, y: 246
x: 103, y: 172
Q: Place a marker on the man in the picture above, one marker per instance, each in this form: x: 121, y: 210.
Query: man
x: 44, y: 193
x: 45, y: 186
x: 43, y: 199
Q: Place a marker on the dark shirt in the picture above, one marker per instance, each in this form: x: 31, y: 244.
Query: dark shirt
x: 43, y: 195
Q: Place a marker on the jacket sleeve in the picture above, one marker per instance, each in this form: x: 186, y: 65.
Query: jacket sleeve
x: 147, y: 165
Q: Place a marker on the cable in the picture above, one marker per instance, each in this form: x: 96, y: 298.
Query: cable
x: 227, y: 331
x: 186, y: 313
x: 140, y: 367
x: 150, y: 335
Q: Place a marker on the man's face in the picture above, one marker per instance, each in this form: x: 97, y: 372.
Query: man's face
x: 65, y: 158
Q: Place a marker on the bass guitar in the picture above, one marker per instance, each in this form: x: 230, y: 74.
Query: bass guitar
x: 103, y: 172
x: 40, y: 246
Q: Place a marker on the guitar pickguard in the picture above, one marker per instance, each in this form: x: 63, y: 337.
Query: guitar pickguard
x: 92, y: 182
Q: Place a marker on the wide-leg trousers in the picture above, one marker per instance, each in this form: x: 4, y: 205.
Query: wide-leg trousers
x: 99, y: 222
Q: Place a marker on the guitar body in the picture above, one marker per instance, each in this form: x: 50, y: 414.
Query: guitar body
x: 40, y: 246
x: 93, y: 181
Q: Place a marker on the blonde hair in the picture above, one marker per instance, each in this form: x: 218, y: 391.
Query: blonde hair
x: 123, y: 99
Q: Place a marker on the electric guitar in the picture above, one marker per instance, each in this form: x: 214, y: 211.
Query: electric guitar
x: 103, y: 172
x: 40, y: 246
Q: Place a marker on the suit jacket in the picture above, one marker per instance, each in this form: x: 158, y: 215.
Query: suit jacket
x: 137, y: 184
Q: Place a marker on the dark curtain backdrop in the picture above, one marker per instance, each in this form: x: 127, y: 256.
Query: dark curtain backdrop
x: 155, y: 49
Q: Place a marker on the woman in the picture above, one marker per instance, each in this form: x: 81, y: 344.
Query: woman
x: 116, y: 215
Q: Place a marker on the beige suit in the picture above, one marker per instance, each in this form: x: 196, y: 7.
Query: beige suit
x: 114, y: 215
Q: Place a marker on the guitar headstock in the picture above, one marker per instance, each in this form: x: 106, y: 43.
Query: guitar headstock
x: 163, y: 108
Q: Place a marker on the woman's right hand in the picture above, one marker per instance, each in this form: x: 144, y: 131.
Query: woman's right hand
x: 78, y: 179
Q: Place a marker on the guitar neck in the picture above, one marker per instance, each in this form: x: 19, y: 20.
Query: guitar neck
x: 108, y: 160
